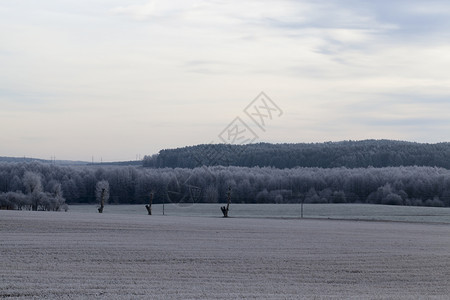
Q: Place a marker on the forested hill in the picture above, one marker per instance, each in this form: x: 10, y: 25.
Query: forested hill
x: 350, y: 154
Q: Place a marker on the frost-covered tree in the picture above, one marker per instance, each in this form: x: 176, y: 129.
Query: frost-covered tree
x: 413, y: 185
x: 32, y: 182
x: 5, y: 202
x: 33, y: 185
x: 211, y: 195
x: 56, y: 193
x: 15, y: 200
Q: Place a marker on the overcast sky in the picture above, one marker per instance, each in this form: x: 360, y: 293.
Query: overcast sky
x: 115, y: 79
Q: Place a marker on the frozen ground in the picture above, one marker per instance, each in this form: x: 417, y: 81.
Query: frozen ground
x: 332, y: 211
x: 128, y: 256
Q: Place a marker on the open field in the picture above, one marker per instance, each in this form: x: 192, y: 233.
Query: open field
x: 328, y: 211
x: 131, y: 256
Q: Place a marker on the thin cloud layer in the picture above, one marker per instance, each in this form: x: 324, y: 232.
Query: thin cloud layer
x: 114, y: 78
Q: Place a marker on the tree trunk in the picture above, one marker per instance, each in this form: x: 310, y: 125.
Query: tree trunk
x: 149, y: 206
x: 102, y: 202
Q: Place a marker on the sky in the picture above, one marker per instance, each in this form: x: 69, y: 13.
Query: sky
x: 110, y: 80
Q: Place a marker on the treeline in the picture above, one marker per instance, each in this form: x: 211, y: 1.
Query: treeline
x: 350, y: 154
x: 133, y: 185
x: 32, y: 195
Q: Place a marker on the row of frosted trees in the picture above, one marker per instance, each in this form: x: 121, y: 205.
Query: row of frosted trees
x: 33, y: 196
x: 133, y: 185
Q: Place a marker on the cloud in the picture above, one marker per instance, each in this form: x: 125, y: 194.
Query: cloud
x: 330, y: 65
x: 157, y: 10
x: 142, y: 12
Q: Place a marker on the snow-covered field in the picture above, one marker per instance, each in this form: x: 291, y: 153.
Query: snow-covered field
x: 331, y: 211
x: 131, y: 256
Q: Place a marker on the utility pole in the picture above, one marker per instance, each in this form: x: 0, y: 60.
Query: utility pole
x: 301, y: 210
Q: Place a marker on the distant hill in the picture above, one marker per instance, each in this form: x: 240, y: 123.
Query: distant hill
x: 30, y: 159
x: 118, y: 163
x: 69, y: 162
x: 350, y: 154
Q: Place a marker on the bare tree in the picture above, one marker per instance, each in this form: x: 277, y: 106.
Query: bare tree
x: 102, y: 194
x: 225, y: 209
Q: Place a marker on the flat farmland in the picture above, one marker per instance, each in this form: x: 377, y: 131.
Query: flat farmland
x: 126, y: 256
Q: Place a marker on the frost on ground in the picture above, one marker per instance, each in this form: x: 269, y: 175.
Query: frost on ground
x: 76, y: 255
